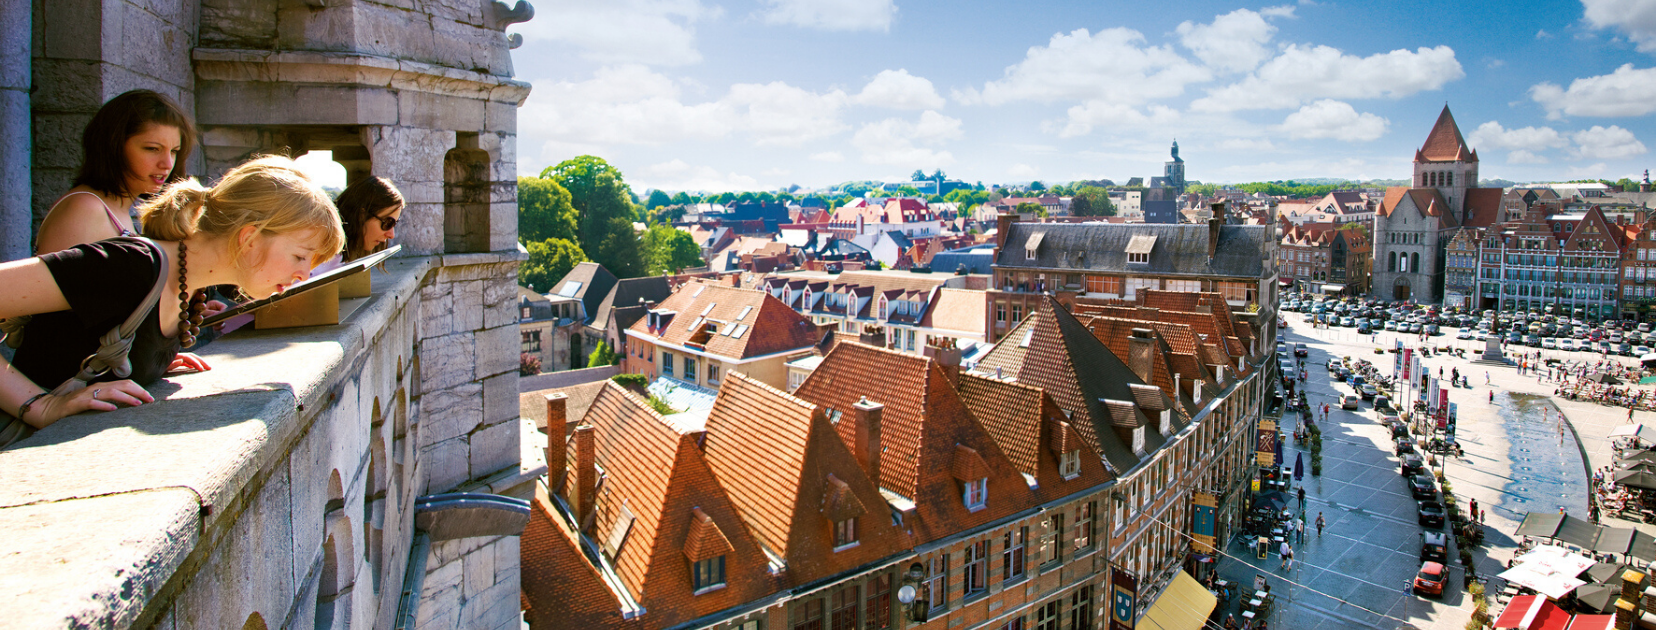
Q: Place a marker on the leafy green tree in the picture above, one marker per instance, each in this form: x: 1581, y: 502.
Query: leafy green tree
x: 602, y: 356
x: 544, y: 210
x: 606, y: 213
x: 681, y: 199
x: 1036, y: 186
x: 919, y: 175
x: 549, y: 260
x: 785, y: 197
x: 937, y: 176
x: 658, y: 199
x: 1030, y: 207
x: 1092, y: 201
x: 908, y: 191
x: 670, y: 249
x: 745, y: 197
x: 726, y: 197
x: 764, y: 197
x: 1080, y: 206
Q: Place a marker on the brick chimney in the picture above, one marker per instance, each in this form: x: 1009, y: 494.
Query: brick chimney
x: 867, y: 448
x: 873, y: 336
x: 1141, y: 354
x: 585, y: 492
x: 947, y: 355
x: 557, y: 437
x: 1213, y: 228
x: 1003, y: 224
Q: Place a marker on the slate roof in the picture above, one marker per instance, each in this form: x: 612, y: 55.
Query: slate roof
x: 596, y: 282
x: 1179, y: 249
x: 628, y: 292
x: 773, y: 326
x: 976, y: 259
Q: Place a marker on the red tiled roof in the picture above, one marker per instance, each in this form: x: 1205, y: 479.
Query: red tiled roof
x: 705, y: 540
x: 1483, y: 207
x: 1444, y: 143
x: 773, y: 326
x: 560, y: 586
x: 1023, y: 420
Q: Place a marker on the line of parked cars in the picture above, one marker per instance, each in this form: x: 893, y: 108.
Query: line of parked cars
x: 1430, y: 513
x: 1550, y: 332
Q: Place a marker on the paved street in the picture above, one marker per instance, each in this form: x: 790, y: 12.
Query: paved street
x: 1518, y: 458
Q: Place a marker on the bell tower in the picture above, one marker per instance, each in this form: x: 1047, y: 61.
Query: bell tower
x: 1445, y: 162
x: 1174, y: 173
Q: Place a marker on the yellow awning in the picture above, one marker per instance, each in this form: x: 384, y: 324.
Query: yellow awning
x: 1184, y: 605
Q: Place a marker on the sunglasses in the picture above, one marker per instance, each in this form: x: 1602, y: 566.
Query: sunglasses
x: 387, y: 222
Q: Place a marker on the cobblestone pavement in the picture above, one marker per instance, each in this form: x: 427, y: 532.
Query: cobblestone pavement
x: 1519, y: 457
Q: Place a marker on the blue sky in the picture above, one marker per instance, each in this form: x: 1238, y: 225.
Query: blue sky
x: 760, y: 94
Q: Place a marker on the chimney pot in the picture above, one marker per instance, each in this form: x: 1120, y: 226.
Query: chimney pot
x: 867, y: 450
x: 1141, y: 354
x: 586, y: 474
x: 557, y: 441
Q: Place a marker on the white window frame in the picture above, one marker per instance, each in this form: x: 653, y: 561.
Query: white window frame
x: 1069, y: 464
x: 975, y: 494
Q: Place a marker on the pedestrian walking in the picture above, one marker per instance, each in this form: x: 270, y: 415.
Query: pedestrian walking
x: 1474, y: 508
x: 1492, y: 396
x: 1320, y: 524
x: 1302, y: 497
x: 1286, y: 552
x: 1486, y: 377
x: 1299, y: 530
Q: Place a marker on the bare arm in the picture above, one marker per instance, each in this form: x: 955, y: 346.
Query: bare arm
x: 16, y: 389
x: 76, y: 220
x: 32, y: 289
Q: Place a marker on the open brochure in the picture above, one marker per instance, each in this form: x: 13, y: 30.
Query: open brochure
x: 320, y: 280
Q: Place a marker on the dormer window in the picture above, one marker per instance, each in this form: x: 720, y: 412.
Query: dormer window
x: 1033, y: 245
x: 976, y: 494
x: 845, y: 533
x: 1069, y: 466
x: 709, y: 573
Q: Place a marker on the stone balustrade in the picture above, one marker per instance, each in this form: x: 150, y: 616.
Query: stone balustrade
x: 277, y: 490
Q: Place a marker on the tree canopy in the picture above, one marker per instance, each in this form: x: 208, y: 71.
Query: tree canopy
x: 1030, y: 207
x: 657, y: 199
x: 549, y: 260
x: 544, y: 211
x: 605, y: 213
x: 668, y: 249
x: 1092, y: 201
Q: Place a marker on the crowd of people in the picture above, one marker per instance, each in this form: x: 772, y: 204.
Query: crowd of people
x: 93, y: 317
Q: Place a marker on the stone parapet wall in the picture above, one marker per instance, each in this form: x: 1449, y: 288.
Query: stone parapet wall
x: 280, y: 485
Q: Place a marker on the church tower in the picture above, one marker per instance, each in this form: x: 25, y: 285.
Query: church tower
x: 1445, y: 162
x: 1174, y: 172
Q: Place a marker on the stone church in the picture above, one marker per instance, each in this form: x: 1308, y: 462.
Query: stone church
x: 369, y: 474
x: 1414, y: 223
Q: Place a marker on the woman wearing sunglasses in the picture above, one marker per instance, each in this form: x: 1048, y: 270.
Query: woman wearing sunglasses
x: 370, y: 209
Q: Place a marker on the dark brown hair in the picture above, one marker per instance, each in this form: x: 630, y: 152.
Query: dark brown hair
x: 103, y: 144
x: 358, y: 203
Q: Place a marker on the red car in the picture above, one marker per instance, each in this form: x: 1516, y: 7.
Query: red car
x: 1430, y: 580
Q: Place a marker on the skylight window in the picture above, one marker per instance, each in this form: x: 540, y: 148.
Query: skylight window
x: 570, y: 289
x: 740, y: 330
x: 709, y: 309
x: 699, y: 289
x: 745, y: 311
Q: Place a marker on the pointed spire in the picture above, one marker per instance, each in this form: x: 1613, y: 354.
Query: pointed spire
x: 1445, y: 143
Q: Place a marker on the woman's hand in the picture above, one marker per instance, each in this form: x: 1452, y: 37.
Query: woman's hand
x: 187, y: 363
x: 213, y: 307
x: 95, y: 397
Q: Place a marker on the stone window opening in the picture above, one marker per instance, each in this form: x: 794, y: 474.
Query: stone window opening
x: 467, y: 197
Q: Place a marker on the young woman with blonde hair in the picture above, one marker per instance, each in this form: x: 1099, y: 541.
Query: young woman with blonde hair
x: 261, y: 228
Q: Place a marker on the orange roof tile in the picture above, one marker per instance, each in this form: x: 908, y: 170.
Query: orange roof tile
x: 1444, y: 143
x: 772, y: 326
x: 705, y: 540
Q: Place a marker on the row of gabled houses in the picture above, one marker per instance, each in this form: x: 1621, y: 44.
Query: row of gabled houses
x: 892, y: 488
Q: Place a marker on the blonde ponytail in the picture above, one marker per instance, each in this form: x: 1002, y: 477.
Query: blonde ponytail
x: 269, y: 193
x: 173, y: 214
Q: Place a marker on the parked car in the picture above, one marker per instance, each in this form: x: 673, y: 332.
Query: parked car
x: 1465, y: 333
x: 1431, y: 513
x: 1434, y: 546
x: 1351, y: 401
x: 1422, y: 487
x: 1532, y: 340
x: 1368, y: 391
x: 1403, y: 446
x: 1430, y: 579
x: 1300, y: 350
x: 1640, y: 351
x: 1382, y: 402
x: 1412, y: 464
x: 1548, y: 343
x: 1624, y: 349
x: 1432, y: 329
x: 1567, y: 344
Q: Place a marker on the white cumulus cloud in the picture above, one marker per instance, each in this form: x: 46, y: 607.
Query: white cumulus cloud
x: 1636, y: 18
x: 1081, y: 119
x: 634, y: 105
x: 655, y: 32
x: 1334, y: 119
x: 1023, y: 170
x: 1302, y: 73
x: 901, y: 142
x: 1233, y: 42
x: 897, y: 89
x: 828, y: 156
x: 832, y: 15
x: 676, y: 174
x: 1491, y: 134
x: 1521, y: 156
x: 1607, y: 143
x: 1113, y: 64
x: 1625, y: 92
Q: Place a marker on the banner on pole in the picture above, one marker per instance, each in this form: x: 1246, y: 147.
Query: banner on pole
x: 1123, y: 599
x: 1202, y: 521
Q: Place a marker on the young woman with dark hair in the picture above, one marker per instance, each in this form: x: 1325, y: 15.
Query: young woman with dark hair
x: 369, y: 210
x: 261, y: 228
x: 136, y: 144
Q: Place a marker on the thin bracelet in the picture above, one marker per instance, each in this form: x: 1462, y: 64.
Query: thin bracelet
x: 24, y: 410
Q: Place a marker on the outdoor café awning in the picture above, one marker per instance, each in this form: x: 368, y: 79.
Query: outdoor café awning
x: 1579, y: 532
x: 1636, y: 479
x: 1634, y: 430
x: 1333, y: 288
x: 1593, y: 622
x: 1540, y: 524
x: 1532, y: 612
x: 1549, y: 570
x: 1184, y: 605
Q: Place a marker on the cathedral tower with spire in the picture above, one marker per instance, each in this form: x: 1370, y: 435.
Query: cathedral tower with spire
x: 1445, y: 163
x: 1174, y: 173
